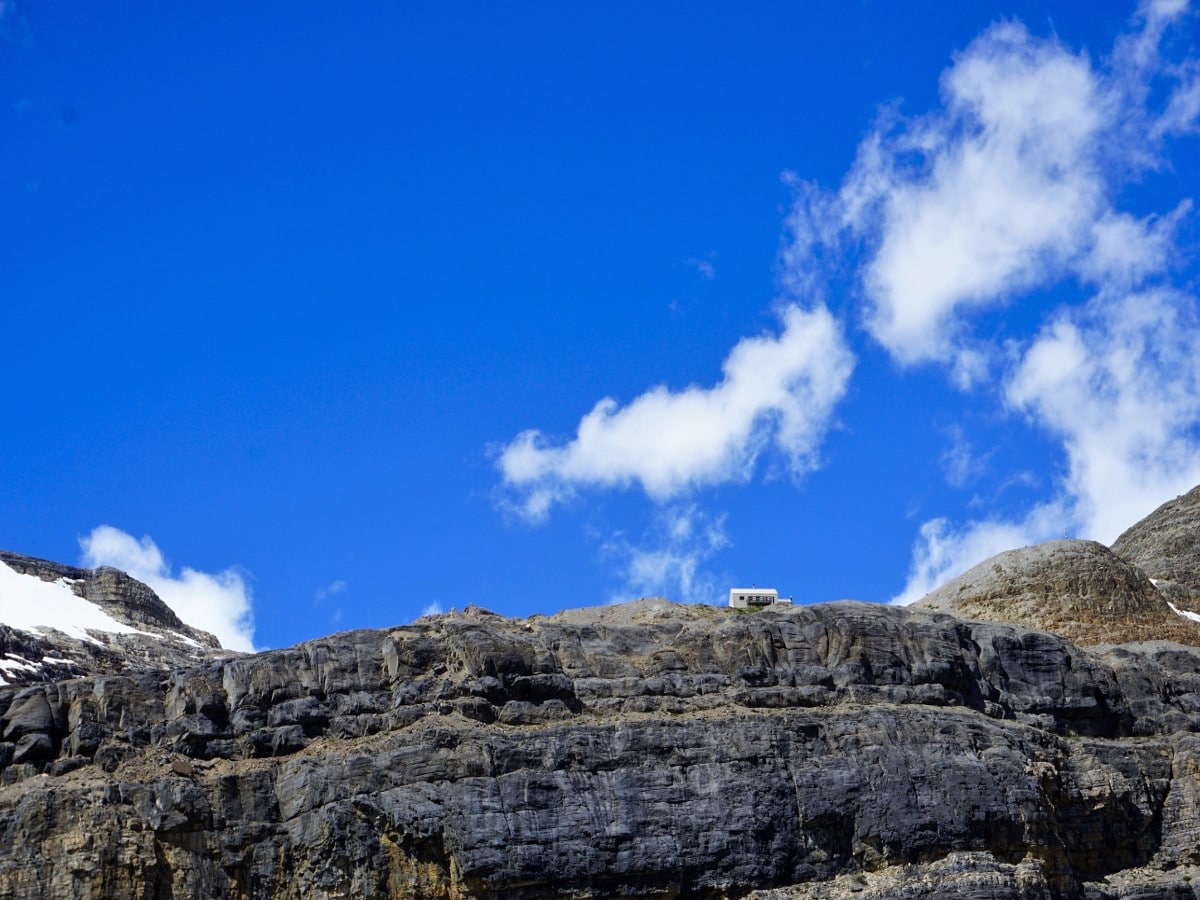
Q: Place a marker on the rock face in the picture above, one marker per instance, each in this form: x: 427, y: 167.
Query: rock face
x: 1166, y: 546
x: 829, y: 751
x: 1078, y: 589
x: 151, y: 635
x: 648, y: 750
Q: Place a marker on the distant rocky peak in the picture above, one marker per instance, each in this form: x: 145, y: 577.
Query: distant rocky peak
x: 1078, y: 589
x: 1166, y: 546
x: 59, y: 621
x: 1145, y: 587
x: 126, y: 599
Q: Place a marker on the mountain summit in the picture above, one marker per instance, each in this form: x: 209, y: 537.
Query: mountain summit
x: 1145, y: 588
x: 57, y: 621
x: 1166, y: 546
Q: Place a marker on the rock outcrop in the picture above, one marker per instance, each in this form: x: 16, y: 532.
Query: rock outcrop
x: 1166, y: 546
x: 1078, y: 589
x: 653, y: 750
x: 145, y: 633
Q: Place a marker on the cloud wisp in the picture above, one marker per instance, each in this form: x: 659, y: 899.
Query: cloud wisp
x: 332, y: 589
x: 669, y: 561
x: 219, y: 603
x: 778, y: 391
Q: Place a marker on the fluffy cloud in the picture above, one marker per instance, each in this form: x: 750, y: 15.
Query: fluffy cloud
x: 1007, y: 187
x: 1118, y: 382
x: 669, y: 561
x: 993, y: 194
x: 986, y: 237
x: 219, y: 603
x: 777, y: 391
x: 1013, y: 190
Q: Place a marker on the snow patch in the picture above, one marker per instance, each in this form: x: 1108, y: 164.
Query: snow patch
x: 29, y: 604
x: 1195, y: 617
x: 14, y: 664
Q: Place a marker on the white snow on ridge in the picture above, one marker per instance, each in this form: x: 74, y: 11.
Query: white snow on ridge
x: 1195, y: 617
x: 29, y: 604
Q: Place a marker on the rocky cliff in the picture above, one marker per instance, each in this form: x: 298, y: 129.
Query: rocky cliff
x: 650, y: 749
x: 655, y: 750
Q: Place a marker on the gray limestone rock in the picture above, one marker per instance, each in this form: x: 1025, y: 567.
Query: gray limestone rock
x: 1166, y: 544
x: 1032, y: 731
x: 832, y: 750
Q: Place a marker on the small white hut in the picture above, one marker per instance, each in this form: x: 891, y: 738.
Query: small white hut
x: 755, y: 598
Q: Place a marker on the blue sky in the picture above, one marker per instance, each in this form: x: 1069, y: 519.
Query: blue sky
x: 316, y: 319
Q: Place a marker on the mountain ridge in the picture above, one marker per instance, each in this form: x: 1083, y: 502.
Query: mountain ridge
x: 645, y: 749
x: 126, y: 626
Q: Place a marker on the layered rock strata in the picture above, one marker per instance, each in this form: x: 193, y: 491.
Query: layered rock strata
x: 649, y: 750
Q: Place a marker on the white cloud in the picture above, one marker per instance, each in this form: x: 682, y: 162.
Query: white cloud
x: 433, y: 609
x: 1007, y: 195
x: 777, y: 391
x: 1182, y: 115
x: 1011, y: 188
x: 219, y: 603
x: 1125, y: 251
x: 668, y: 562
x: 993, y: 194
x: 1118, y: 382
x: 1006, y: 188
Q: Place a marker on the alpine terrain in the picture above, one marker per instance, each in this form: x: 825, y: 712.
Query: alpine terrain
x: 1029, y: 730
